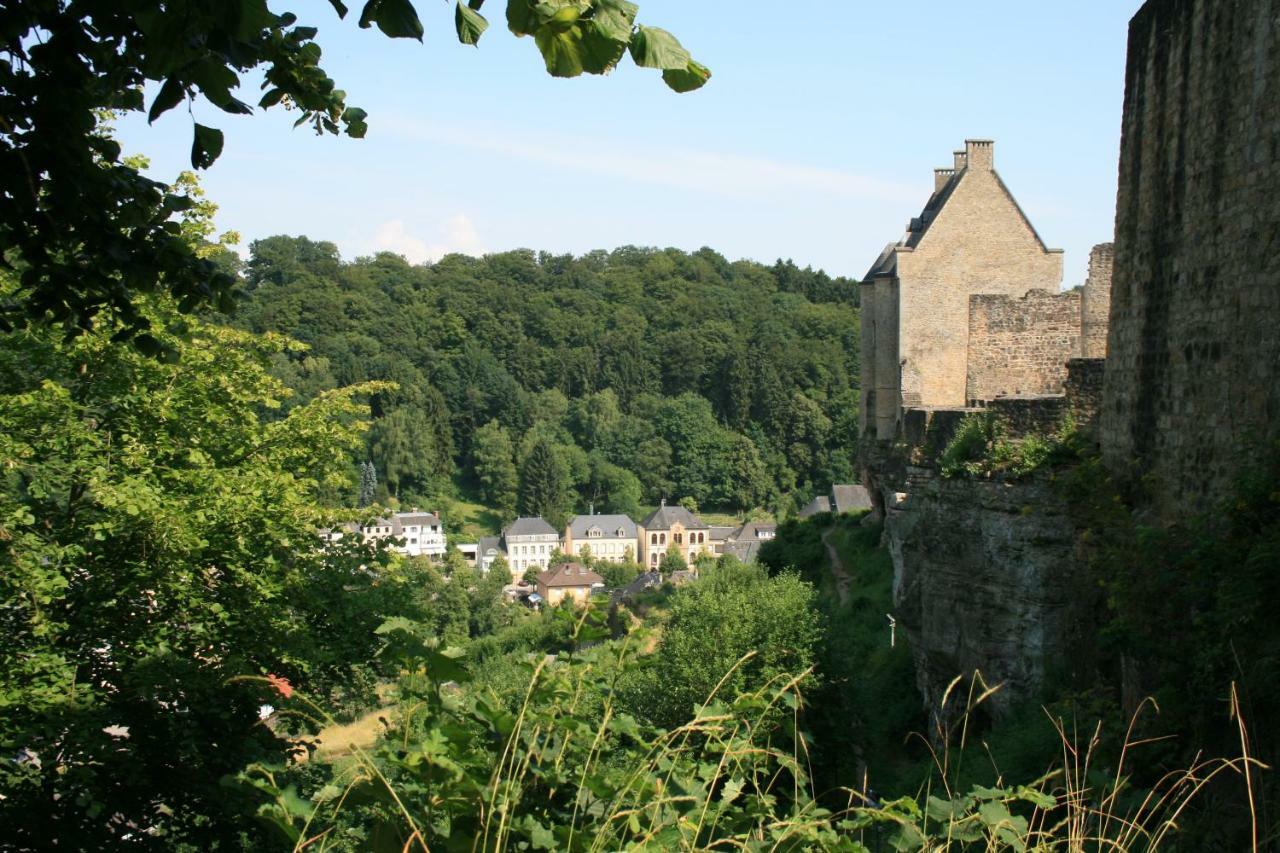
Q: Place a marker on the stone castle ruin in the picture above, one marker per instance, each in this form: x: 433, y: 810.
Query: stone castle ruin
x: 964, y: 313
x: 967, y: 309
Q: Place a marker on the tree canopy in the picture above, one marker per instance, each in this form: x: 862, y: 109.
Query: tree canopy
x: 641, y: 373
x: 82, y: 227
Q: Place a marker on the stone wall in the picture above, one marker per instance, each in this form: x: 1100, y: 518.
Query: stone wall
x: 1021, y: 345
x: 1194, y: 346
x: 1023, y: 416
x: 1084, y: 384
x: 1096, y: 302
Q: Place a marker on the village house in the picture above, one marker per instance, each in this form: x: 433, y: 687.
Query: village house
x: 612, y: 538
x: 674, y: 528
x: 567, y: 580
x: 526, y: 543
x: 745, y: 541
x: 415, y: 534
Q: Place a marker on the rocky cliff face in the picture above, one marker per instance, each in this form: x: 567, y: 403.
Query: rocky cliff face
x: 987, y: 576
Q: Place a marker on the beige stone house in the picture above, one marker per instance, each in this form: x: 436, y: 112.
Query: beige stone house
x: 604, y: 537
x: 674, y: 528
x: 567, y: 580
x: 947, y: 313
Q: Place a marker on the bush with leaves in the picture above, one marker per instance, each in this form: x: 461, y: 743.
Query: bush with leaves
x: 158, y: 536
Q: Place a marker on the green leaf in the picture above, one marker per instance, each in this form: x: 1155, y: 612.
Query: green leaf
x: 340, y: 7
x: 693, y: 76
x: 652, y: 47
x: 615, y: 19
x: 169, y: 96
x: 216, y: 81
x: 521, y: 19
x: 206, y: 147
x: 469, y: 23
x: 271, y: 98
x: 354, y: 119
x: 398, y: 19
x: 254, y: 18
x: 561, y: 51
x: 598, y: 53
x: 994, y: 813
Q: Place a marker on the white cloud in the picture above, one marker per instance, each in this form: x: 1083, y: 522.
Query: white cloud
x: 682, y: 168
x: 456, y: 234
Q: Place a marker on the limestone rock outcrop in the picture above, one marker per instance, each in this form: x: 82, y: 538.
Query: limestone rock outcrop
x: 986, y: 577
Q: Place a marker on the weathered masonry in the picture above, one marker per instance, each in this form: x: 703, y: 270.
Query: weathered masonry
x: 1193, y: 365
x: 966, y: 307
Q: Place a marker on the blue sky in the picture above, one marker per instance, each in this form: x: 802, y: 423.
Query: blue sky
x: 815, y: 140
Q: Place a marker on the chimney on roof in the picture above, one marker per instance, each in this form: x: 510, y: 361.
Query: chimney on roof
x: 980, y: 154
x: 940, y: 178
x: 962, y: 160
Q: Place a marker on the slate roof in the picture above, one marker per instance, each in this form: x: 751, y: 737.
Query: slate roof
x: 886, y: 264
x: 745, y: 550
x: 849, y: 498
x: 488, y: 542
x: 569, y: 575
x: 821, y: 503
x: 526, y: 526
x: 719, y: 534
x: 608, y: 524
x: 664, y: 516
x: 754, y: 531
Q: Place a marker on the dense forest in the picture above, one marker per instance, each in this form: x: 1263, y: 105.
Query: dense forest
x: 614, y: 379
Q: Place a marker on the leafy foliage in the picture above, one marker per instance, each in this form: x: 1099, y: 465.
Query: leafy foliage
x: 647, y: 373
x: 87, y: 232
x: 1186, y: 616
x: 735, y: 623
x: 981, y: 447
x: 157, y: 538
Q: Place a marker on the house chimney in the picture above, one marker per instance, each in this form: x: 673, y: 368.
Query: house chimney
x: 940, y: 178
x: 961, y: 160
x: 980, y: 154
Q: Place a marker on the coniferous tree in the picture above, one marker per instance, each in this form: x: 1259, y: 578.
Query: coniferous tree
x: 496, y: 468
x: 368, y: 484
x: 542, y: 484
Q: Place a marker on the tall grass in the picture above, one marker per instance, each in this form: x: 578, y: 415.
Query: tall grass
x: 735, y: 776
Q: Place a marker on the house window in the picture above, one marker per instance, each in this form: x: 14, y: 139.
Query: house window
x: 678, y: 538
x: 653, y: 559
x: 702, y: 537
x: 413, y: 541
x: 662, y: 539
x: 653, y: 539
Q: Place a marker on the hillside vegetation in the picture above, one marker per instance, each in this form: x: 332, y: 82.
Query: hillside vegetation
x: 552, y: 382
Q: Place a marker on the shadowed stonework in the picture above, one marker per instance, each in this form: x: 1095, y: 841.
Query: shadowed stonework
x: 1195, y: 324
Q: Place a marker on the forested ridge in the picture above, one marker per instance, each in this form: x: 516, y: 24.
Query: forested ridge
x: 642, y: 373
